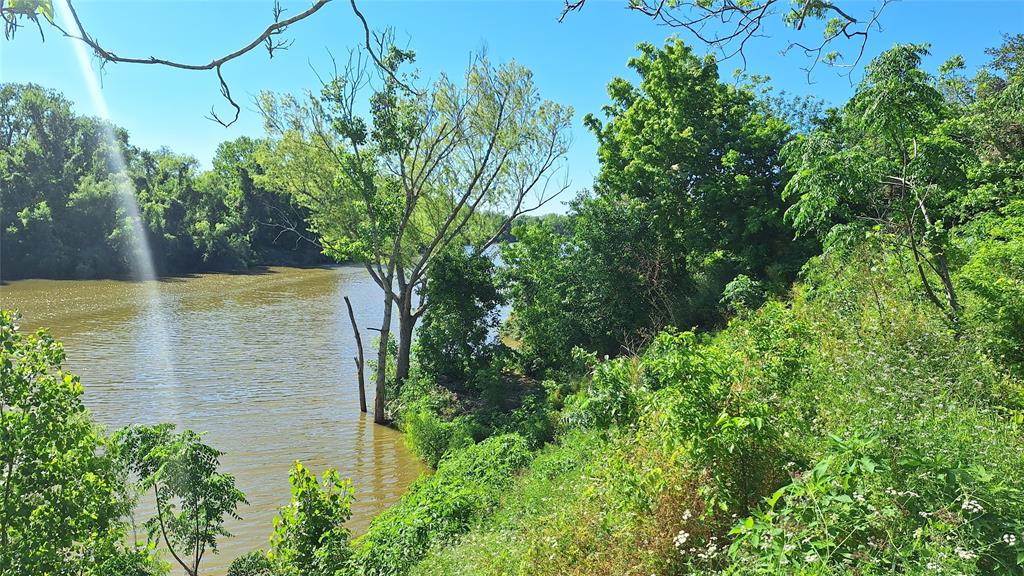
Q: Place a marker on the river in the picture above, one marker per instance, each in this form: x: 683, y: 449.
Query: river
x: 261, y: 363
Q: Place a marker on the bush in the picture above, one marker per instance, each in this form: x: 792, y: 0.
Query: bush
x: 254, y: 563
x: 430, y: 437
x: 437, y: 509
x: 742, y: 293
x: 310, y: 537
x: 994, y: 277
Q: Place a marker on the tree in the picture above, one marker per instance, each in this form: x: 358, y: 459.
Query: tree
x: 62, y: 499
x: 687, y: 198
x: 893, y: 160
x: 542, y: 288
x: 398, y: 190
x: 192, y: 497
x: 62, y: 199
x: 455, y: 339
x: 266, y: 217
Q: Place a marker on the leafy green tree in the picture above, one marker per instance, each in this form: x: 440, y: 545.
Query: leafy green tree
x: 456, y: 336
x: 398, y: 190
x: 62, y: 498
x: 892, y: 160
x: 62, y: 188
x: 274, y: 224
x: 538, y: 279
x: 687, y: 199
x: 192, y: 497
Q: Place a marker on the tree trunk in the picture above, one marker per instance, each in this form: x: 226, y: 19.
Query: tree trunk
x: 359, y: 357
x: 938, y: 254
x: 379, y: 415
x: 406, y: 323
x: 947, y: 284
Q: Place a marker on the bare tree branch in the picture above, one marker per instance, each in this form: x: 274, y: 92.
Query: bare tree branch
x: 727, y: 26
x: 269, y: 38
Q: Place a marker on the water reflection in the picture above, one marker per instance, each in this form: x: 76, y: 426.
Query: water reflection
x: 263, y: 365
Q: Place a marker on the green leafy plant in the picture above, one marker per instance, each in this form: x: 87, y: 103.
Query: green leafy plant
x: 310, y: 537
x: 63, y: 500
x: 192, y: 497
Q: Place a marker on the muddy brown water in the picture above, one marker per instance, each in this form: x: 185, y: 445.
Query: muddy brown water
x: 261, y: 363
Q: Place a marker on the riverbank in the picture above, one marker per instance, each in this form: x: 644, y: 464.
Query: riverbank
x: 843, y: 426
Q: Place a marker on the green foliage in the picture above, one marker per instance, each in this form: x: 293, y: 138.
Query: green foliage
x: 535, y: 528
x: 687, y: 199
x: 62, y: 190
x: 439, y: 508
x: 994, y: 275
x: 253, y: 563
x: 431, y: 437
x: 455, y: 338
x: 541, y: 288
x: 310, y: 537
x: 63, y: 500
x: 192, y: 498
x: 742, y: 293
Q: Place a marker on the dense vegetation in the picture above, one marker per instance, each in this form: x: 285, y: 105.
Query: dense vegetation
x: 865, y: 419
x: 63, y: 186
x: 761, y: 346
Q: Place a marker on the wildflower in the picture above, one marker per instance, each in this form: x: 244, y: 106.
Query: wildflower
x: 972, y: 506
x: 680, y: 539
x: 934, y: 567
x: 686, y: 515
x: 811, y: 557
x: 965, y: 554
x: 1010, y: 539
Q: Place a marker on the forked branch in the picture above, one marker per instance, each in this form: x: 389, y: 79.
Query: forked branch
x: 13, y: 14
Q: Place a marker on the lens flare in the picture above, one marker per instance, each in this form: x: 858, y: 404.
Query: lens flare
x: 157, y: 351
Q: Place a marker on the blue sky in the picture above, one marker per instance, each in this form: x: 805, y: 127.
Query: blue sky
x: 572, y: 61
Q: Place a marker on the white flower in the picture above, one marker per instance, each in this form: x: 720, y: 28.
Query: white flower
x: 934, y: 566
x: 811, y: 557
x: 972, y: 506
x: 1010, y: 539
x: 680, y: 539
x: 686, y: 515
x: 965, y: 554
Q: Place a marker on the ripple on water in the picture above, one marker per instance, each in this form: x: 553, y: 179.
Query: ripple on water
x: 262, y: 363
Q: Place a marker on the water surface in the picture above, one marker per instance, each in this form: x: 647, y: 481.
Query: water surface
x: 262, y: 363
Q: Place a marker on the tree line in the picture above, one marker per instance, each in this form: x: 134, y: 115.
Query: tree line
x: 62, y: 211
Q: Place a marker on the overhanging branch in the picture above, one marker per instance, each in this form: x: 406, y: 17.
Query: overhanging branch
x: 10, y: 14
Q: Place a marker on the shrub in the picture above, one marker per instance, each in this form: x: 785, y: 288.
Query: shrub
x: 310, y: 537
x: 253, y: 563
x: 994, y: 276
x: 438, y: 508
x: 742, y: 293
x: 430, y: 437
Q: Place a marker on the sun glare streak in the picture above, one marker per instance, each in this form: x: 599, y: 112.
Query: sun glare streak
x: 142, y: 265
